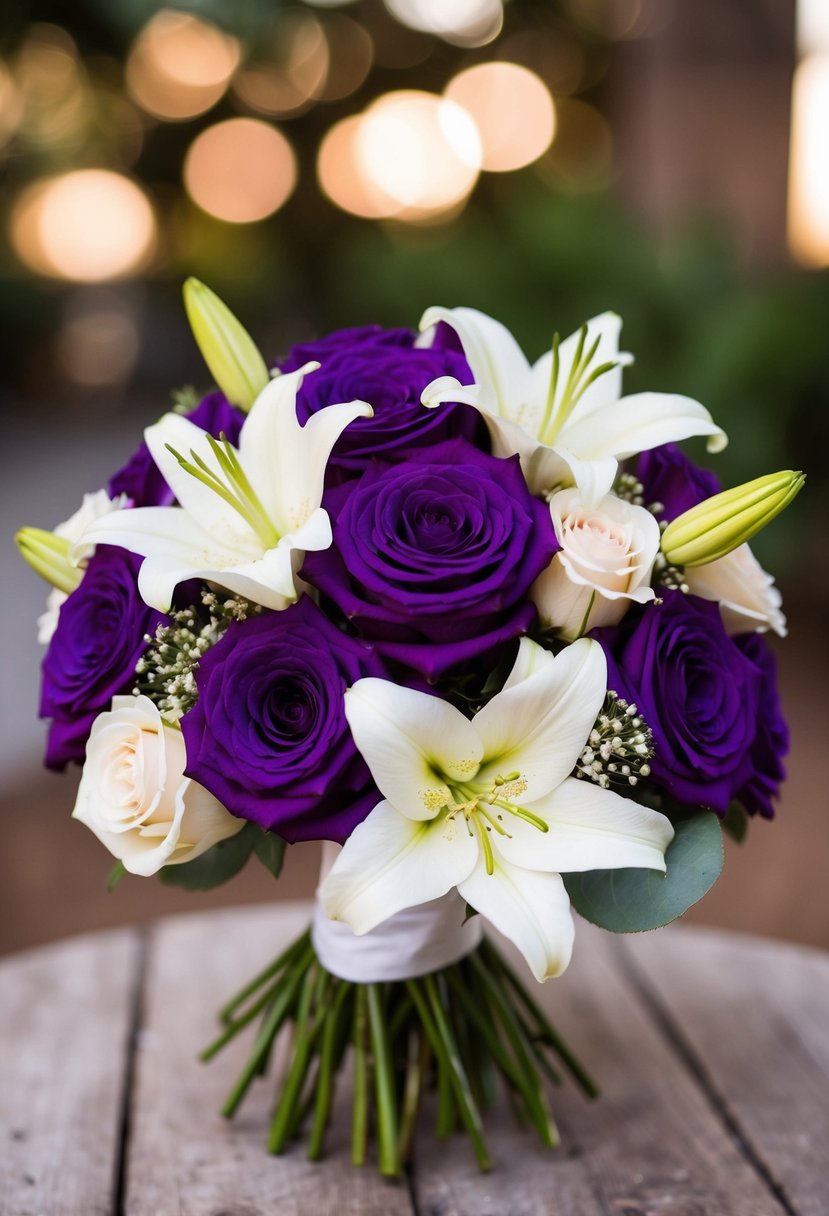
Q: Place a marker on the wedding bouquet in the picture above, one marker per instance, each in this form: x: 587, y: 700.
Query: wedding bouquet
x: 482, y: 624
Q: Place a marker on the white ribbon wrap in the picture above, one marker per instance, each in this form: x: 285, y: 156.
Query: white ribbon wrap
x: 410, y: 943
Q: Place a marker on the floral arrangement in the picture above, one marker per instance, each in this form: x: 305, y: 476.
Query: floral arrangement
x: 480, y: 625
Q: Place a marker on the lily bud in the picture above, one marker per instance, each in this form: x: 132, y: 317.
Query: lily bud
x: 48, y: 555
x: 723, y: 523
x: 226, y: 346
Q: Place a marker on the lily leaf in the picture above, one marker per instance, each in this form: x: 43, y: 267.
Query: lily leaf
x: 633, y: 900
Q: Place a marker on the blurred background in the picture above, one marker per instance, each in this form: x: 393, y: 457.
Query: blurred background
x: 325, y: 164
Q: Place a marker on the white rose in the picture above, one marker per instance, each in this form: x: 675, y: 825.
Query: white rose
x: 746, y: 594
x: 93, y: 507
x: 605, y: 563
x: 135, y: 797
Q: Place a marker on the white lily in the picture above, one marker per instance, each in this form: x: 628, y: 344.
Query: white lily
x: 745, y: 592
x: 488, y: 805
x: 564, y: 416
x: 245, y: 516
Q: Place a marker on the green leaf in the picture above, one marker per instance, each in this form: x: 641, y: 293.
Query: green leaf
x: 115, y: 875
x: 215, y: 866
x: 632, y: 900
x: 270, y: 849
x: 735, y: 823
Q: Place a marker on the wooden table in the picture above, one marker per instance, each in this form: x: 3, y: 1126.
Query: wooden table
x: 712, y: 1051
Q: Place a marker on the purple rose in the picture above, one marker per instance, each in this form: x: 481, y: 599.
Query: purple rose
x: 673, y: 480
x: 93, y: 652
x: 140, y: 478
x: 432, y: 560
x: 771, y: 742
x: 385, y: 368
x: 698, y: 691
x: 268, y: 734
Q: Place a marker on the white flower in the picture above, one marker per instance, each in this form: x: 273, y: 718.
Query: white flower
x: 245, y: 517
x: 94, y: 506
x: 748, y: 598
x: 135, y: 797
x: 565, y: 416
x: 488, y: 805
x: 604, y: 563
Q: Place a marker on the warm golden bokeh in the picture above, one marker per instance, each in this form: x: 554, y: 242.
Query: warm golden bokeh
x: 88, y: 226
x: 809, y: 162
x: 180, y: 65
x: 463, y: 22
x: 241, y: 170
x: 421, y: 150
x: 512, y: 109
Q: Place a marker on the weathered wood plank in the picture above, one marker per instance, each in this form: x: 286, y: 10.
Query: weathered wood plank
x: 755, y: 1014
x: 65, y: 1016
x: 183, y: 1158
x: 652, y: 1144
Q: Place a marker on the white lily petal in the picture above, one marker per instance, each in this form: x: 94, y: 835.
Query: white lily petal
x: 593, y: 477
x: 530, y: 908
x: 284, y: 461
x: 539, y: 726
x: 411, y: 741
x: 588, y: 829
x: 746, y: 593
x: 530, y: 660
x: 446, y: 389
x: 215, y: 516
x: 497, y: 362
x: 638, y: 423
x: 391, y: 862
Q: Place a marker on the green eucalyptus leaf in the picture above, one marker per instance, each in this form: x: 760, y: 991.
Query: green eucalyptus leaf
x: 215, y: 866
x: 633, y: 900
x: 270, y: 849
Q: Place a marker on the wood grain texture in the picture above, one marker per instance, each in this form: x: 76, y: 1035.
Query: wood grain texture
x: 712, y: 1052
x: 650, y: 1146
x: 753, y: 1016
x: 183, y: 1158
x: 65, y: 1016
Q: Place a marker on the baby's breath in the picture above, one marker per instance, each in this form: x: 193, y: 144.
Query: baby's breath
x: 167, y: 669
x: 619, y: 746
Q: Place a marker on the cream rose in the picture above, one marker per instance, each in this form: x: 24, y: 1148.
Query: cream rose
x: 135, y: 797
x: 748, y: 598
x: 605, y: 563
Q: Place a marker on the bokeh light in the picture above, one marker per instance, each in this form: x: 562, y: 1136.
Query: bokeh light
x: 351, y: 52
x: 89, y: 226
x: 180, y: 65
x: 98, y: 343
x: 581, y: 158
x: 462, y: 22
x: 240, y: 170
x: 293, y: 73
x: 341, y: 177
x: 422, y: 151
x: 53, y: 89
x: 11, y: 105
x: 809, y: 163
x: 512, y: 109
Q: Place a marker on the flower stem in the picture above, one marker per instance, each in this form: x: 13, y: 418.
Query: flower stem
x: 325, y: 1076
x: 383, y: 1083
x: 226, y: 1012
x: 359, y: 1120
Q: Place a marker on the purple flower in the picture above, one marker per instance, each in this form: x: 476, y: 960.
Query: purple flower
x: 432, y: 560
x: 771, y: 742
x: 385, y: 368
x: 268, y: 735
x: 140, y: 478
x: 93, y: 652
x: 698, y: 691
x: 673, y: 480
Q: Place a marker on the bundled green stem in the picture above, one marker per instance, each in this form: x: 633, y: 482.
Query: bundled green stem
x: 468, y: 1030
